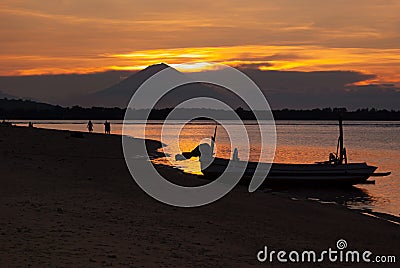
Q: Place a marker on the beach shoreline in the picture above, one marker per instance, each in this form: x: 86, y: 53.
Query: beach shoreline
x: 69, y: 200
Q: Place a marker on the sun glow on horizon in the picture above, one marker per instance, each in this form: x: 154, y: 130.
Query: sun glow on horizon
x: 266, y: 58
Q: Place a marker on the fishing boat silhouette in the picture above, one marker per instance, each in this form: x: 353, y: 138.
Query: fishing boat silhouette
x: 336, y: 171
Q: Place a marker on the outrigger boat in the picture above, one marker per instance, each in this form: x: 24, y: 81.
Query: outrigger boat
x: 336, y: 171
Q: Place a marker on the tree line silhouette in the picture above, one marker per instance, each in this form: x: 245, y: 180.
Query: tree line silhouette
x: 31, y: 110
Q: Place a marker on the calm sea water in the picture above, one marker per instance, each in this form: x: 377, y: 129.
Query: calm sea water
x: 377, y: 143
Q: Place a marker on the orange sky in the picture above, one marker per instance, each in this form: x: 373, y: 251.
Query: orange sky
x: 60, y: 36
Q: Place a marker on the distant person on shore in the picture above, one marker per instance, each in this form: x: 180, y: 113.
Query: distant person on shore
x: 90, y: 126
x: 107, y: 127
x: 30, y: 124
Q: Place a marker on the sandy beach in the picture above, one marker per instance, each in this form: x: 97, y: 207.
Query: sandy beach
x: 68, y: 200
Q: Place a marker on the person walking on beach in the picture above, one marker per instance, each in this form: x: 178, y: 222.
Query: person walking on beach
x: 107, y: 127
x: 90, y: 126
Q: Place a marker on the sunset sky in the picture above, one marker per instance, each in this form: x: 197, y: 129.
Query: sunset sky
x: 61, y: 36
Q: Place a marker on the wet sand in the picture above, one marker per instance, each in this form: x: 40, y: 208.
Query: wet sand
x: 69, y: 201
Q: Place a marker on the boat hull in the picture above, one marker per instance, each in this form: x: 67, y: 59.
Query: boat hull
x: 310, y: 174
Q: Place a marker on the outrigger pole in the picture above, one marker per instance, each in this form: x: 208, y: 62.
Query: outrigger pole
x: 213, y: 139
x: 341, y: 146
x: 342, y: 154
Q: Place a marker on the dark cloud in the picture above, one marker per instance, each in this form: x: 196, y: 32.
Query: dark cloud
x: 258, y: 61
x: 319, y: 81
x: 258, y: 58
x: 371, y: 97
x: 255, y: 66
x: 300, y: 90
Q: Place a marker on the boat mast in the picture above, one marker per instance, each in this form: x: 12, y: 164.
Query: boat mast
x: 341, y: 146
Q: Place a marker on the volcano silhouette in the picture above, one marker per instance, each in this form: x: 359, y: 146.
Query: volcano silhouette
x: 120, y: 94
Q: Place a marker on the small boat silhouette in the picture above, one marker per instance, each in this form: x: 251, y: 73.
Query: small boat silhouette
x: 335, y: 171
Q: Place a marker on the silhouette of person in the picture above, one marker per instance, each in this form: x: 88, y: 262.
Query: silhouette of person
x: 107, y: 127
x: 30, y: 124
x: 90, y: 126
